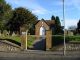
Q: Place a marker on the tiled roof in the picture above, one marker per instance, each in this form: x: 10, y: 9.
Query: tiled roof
x: 48, y: 22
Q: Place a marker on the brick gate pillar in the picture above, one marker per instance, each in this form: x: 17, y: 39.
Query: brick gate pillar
x: 24, y: 41
x: 48, y: 39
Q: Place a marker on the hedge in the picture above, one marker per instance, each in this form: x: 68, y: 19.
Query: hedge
x: 59, y: 39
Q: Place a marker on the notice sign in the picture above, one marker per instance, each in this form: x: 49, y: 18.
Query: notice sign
x: 23, y: 33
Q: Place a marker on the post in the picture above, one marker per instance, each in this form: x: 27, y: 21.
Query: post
x: 26, y: 39
x: 64, y: 30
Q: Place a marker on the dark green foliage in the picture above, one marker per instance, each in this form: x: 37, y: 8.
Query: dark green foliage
x: 57, y: 21
x: 32, y: 30
x: 58, y: 39
x: 13, y: 19
x: 42, y: 19
x: 78, y: 24
x: 58, y: 28
x: 2, y: 1
x: 78, y: 27
x: 73, y: 38
x: 53, y: 17
x: 21, y: 16
x: 5, y: 14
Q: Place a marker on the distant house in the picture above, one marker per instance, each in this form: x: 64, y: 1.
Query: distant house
x: 42, y: 26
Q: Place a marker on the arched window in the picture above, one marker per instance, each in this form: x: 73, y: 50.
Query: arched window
x: 42, y: 31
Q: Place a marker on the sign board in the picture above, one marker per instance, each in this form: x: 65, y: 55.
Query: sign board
x: 23, y: 33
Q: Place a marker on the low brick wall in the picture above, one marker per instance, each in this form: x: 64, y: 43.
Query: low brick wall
x: 73, y: 46
x: 69, y: 47
x: 8, y: 46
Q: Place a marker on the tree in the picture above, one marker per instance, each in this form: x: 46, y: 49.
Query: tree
x: 58, y: 28
x: 42, y: 19
x: 21, y: 16
x: 53, y: 17
x: 5, y: 14
x: 78, y: 27
x: 72, y: 28
x: 57, y: 21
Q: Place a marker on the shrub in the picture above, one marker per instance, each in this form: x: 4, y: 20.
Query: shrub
x: 74, y: 38
x: 59, y: 39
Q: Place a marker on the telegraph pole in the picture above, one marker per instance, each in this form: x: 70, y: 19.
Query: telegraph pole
x: 64, y: 29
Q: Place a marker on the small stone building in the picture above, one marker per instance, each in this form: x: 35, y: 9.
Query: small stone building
x: 43, y: 31
x: 42, y: 26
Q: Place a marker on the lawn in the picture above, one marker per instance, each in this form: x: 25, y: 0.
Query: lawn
x: 17, y: 39
x: 73, y: 38
x: 55, y: 39
x: 31, y: 39
x: 13, y: 39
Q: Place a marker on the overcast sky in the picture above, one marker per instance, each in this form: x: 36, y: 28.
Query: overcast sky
x: 46, y: 8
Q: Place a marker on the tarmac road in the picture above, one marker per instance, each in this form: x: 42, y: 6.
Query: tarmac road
x: 38, y: 55
x: 40, y: 58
